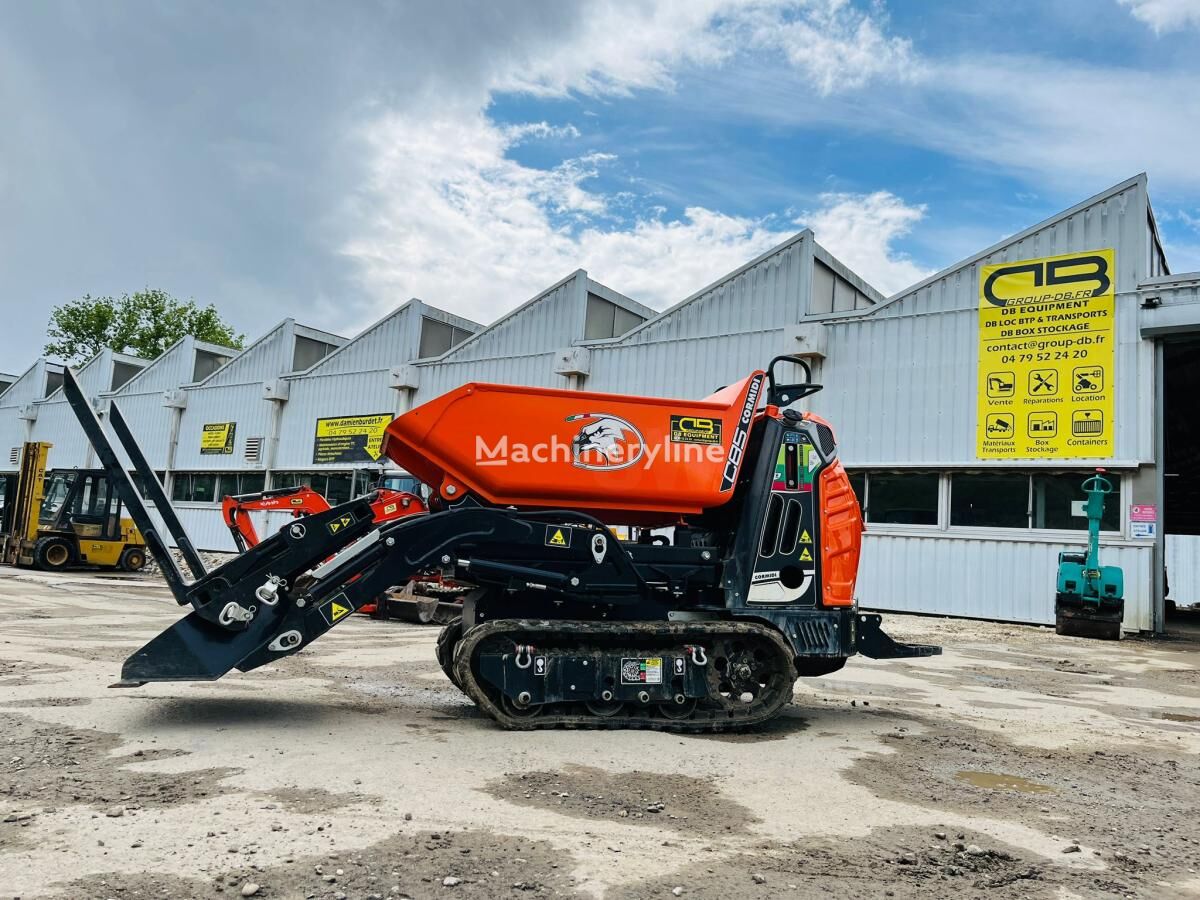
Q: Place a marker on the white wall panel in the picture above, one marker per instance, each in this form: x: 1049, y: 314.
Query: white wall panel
x: 1007, y: 578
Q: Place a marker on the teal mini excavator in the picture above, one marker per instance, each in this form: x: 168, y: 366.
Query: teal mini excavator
x: 1090, y: 598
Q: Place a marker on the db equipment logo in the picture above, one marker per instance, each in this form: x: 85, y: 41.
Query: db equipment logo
x: 605, y: 442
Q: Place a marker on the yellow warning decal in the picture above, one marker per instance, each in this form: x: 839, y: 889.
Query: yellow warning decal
x: 557, y: 536
x: 805, y: 537
x: 343, y: 522
x: 337, y: 609
x: 805, y: 556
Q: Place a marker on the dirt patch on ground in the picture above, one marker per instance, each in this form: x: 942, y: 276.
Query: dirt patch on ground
x: 1133, y: 807
x: 45, y: 702
x: 895, y: 862
x: 43, y: 767
x: 23, y: 674
x: 311, y: 801
x: 679, y: 802
x: 472, y: 864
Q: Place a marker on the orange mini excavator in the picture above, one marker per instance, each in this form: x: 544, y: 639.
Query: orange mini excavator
x: 702, y: 630
x: 304, y: 501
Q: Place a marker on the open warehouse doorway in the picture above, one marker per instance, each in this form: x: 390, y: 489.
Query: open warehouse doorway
x: 1181, y: 468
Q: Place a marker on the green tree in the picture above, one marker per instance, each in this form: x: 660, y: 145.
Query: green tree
x: 144, y: 324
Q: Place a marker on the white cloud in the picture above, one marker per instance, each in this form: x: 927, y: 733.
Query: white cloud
x: 834, y: 44
x: 618, y: 46
x: 448, y: 217
x: 860, y: 230
x: 516, y: 134
x: 1165, y: 15
x: 451, y: 219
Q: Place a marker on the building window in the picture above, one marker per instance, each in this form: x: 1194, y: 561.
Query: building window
x: 246, y: 483
x: 54, y: 380
x: 141, y: 485
x: 437, y: 337
x: 195, y: 487
x: 336, y: 487
x: 210, y: 487
x: 121, y: 374
x: 858, y: 483
x: 831, y: 293
x: 206, y: 363
x: 989, y: 501
x: 605, y: 319
x: 899, y: 498
x: 1018, y: 500
x: 1057, y: 499
x: 308, y: 353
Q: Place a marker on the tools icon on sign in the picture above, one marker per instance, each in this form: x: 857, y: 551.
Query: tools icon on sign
x: 1043, y: 424
x: 1043, y: 382
x: 1087, y: 379
x: 1001, y: 384
x: 999, y: 425
x: 1087, y: 422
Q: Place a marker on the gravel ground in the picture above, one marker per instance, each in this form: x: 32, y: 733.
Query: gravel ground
x: 1018, y: 764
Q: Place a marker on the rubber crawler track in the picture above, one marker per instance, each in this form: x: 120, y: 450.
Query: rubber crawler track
x: 703, y: 718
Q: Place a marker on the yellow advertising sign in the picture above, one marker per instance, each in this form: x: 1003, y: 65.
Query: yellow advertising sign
x: 217, y: 437
x: 1047, y: 349
x: 348, y: 439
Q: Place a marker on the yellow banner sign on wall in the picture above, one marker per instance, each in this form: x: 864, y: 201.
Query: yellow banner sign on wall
x: 1047, y: 349
x: 217, y: 437
x: 348, y: 439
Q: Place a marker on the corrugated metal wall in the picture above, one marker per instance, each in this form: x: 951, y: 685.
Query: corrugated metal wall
x: 519, y: 348
x: 14, y: 430
x: 763, y: 294
x: 315, y: 397
x: 554, y: 318
x: 901, y: 382
x: 1010, y: 579
x: 240, y: 403
x: 56, y: 421
x: 717, y: 335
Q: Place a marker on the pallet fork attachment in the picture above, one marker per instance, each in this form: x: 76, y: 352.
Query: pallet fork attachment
x: 132, y: 500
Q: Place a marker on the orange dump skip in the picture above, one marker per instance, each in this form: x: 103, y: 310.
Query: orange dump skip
x: 624, y: 459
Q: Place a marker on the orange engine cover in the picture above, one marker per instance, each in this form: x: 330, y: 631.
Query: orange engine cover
x: 623, y: 459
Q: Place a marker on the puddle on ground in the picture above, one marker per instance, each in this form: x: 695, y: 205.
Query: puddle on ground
x: 998, y: 781
x: 1176, y: 717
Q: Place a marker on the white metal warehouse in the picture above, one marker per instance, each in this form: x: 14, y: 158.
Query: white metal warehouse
x: 951, y: 530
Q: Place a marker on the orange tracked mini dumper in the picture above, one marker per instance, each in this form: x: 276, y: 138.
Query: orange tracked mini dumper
x: 702, y: 630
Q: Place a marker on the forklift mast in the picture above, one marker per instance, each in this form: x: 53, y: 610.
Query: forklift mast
x: 23, y: 503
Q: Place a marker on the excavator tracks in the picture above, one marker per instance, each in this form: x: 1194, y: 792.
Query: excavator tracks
x: 702, y: 676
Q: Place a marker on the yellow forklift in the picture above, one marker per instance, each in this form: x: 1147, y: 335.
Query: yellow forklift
x: 65, y: 518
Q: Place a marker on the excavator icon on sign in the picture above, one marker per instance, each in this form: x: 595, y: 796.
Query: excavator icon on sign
x: 1001, y: 384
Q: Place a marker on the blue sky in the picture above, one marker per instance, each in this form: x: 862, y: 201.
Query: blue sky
x: 329, y: 163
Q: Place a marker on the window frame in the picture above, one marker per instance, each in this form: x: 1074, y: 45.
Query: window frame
x: 1122, y: 497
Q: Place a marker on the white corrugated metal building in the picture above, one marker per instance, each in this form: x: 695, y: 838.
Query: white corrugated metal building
x: 948, y: 532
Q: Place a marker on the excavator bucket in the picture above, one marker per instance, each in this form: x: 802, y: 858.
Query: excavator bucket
x: 702, y: 628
